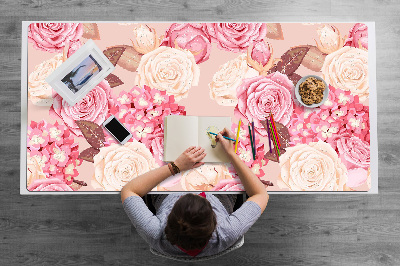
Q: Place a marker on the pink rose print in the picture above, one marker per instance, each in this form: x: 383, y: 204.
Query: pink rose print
x: 235, y: 37
x: 357, y: 177
x: 358, y: 36
x: 93, y: 107
x: 155, y: 143
x: 354, y: 152
x: 259, y: 96
x: 142, y: 111
x: 51, y: 184
x: 229, y: 185
x: 73, y: 47
x: 189, y: 36
x: 52, y: 37
x: 261, y: 52
x: 54, y: 149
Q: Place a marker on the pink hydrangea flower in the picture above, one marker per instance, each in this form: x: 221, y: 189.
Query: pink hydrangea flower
x: 235, y: 37
x: 58, y: 154
x: 141, y: 130
x: 37, y: 138
x: 52, y: 37
x: 343, y: 115
x: 142, y: 111
x: 189, y: 36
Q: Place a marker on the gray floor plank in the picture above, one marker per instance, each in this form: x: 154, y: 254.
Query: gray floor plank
x: 294, y: 230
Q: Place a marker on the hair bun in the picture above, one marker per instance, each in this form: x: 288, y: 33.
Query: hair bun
x: 183, y: 225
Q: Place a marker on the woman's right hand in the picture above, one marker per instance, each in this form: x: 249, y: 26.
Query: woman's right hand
x: 227, y: 145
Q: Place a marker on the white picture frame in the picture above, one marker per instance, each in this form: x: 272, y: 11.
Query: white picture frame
x: 80, y: 73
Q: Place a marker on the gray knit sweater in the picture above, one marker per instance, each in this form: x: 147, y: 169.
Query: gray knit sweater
x: 229, y: 227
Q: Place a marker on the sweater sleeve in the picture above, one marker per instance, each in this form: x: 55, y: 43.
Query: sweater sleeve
x: 239, y: 222
x: 146, y: 223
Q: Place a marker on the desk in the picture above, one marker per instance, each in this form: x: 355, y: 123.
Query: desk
x: 199, y: 69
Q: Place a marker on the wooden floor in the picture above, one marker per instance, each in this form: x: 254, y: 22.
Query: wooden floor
x: 294, y: 230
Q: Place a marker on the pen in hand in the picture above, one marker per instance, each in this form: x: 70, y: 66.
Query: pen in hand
x: 222, y: 136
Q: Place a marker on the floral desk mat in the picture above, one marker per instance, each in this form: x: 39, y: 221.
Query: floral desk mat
x: 242, y: 70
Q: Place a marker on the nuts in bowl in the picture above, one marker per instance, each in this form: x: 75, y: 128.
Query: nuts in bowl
x: 311, y: 91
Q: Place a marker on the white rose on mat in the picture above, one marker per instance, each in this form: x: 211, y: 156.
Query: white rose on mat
x: 34, y: 169
x: 39, y: 91
x: 116, y: 165
x: 168, y: 69
x: 228, y: 78
x: 205, y: 177
x: 347, y: 69
x: 312, y: 167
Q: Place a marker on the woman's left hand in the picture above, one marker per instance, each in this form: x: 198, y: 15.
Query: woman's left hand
x: 190, y: 158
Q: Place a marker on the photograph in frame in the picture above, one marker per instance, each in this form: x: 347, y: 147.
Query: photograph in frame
x: 80, y: 73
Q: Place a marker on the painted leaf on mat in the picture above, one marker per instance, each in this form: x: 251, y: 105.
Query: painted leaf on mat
x: 283, y: 133
x: 114, y: 53
x: 272, y: 156
x: 267, y: 183
x: 91, y: 31
x: 77, y: 184
x: 113, y: 80
x: 291, y: 60
x: 88, y: 154
x: 314, y: 59
x: 274, y: 31
x: 92, y: 132
x: 129, y: 59
x: 294, y: 78
x: 82, y: 183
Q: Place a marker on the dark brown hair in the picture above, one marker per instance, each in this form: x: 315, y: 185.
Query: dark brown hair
x: 191, y: 222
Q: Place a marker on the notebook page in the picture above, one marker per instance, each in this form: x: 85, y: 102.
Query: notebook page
x: 215, y: 123
x: 180, y: 132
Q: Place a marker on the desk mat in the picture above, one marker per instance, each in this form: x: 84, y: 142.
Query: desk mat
x: 242, y: 70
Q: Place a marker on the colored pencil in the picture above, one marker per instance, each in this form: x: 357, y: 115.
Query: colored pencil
x: 254, y: 138
x: 276, y: 131
x: 237, y: 135
x: 251, y: 142
x: 222, y: 136
x: 269, y: 137
x: 276, y: 143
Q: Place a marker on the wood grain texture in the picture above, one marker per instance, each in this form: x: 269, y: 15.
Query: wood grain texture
x: 294, y: 230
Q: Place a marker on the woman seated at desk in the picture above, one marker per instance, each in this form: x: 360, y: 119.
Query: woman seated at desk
x: 191, y: 224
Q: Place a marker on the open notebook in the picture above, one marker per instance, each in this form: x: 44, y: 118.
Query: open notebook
x: 181, y: 132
